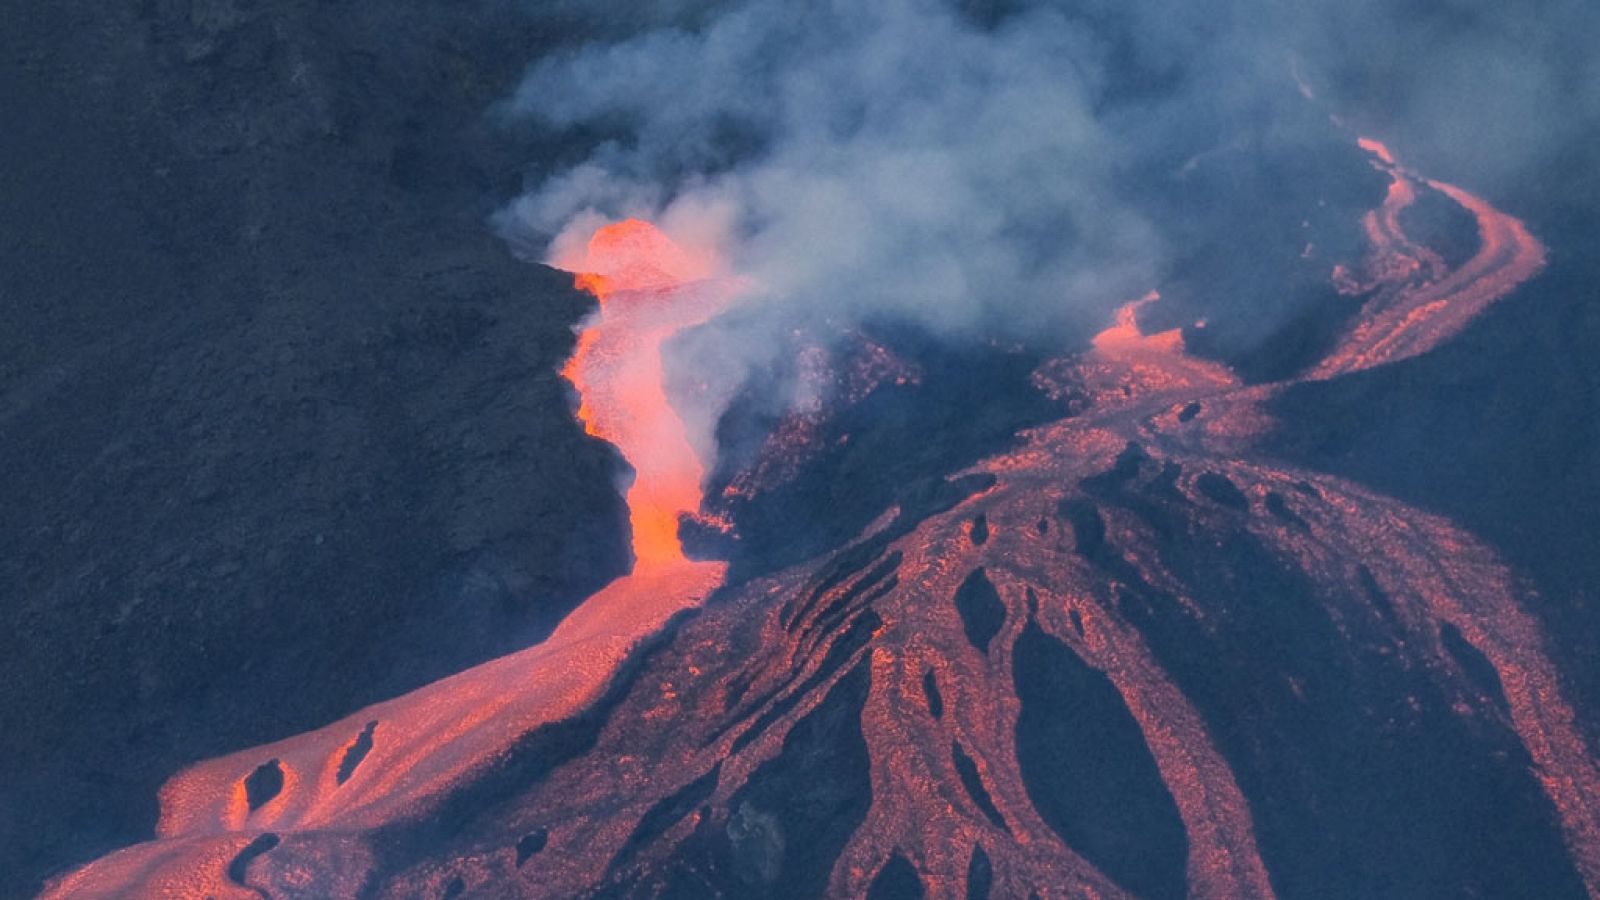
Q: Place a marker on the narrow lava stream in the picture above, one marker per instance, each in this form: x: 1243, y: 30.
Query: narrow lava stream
x: 417, y: 747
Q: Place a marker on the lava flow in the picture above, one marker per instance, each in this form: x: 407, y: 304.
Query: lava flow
x: 396, y: 760
x: 1417, y: 304
x: 649, y: 289
x: 1134, y: 655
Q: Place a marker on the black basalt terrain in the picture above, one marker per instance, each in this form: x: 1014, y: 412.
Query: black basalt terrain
x: 1499, y: 430
x: 283, y: 436
x: 279, y: 416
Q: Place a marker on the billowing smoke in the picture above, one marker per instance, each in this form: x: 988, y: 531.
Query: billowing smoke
x: 1014, y: 168
x: 860, y: 158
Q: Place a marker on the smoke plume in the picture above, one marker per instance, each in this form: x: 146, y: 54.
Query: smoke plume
x: 1020, y: 168
x: 887, y: 158
x: 975, y: 163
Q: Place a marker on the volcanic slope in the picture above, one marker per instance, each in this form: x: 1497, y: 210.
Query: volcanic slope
x: 1130, y: 656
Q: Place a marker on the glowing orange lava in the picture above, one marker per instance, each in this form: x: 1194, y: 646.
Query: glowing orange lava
x: 1416, y: 304
x: 421, y: 745
x: 1087, y: 534
x: 649, y: 289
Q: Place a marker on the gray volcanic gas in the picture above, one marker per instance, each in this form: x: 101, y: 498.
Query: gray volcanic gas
x: 914, y: 449
x: 1008, y: 661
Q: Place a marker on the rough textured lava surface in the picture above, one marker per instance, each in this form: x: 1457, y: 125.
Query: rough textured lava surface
x: 1132, y: 655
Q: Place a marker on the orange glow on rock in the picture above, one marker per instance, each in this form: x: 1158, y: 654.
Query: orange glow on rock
x: 1124, y: 333
x: 725, y: 695
x: 1416, y: 303
x: 1377, y: 149
x: 649, y: 289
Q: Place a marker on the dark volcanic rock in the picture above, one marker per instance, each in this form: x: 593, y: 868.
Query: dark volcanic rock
x: 277, y: 411
x: 1496, y: 430
x: 1221, y: 491
x: 897, y: 880
x: 530, y: 844
x: 283, y: 437
x: 968, y: 402
x: 980, y: 874
x: 239, y: 867
x: 265, y: 783
x: 357, y: 752
x: 789, y: 822
x: 1089, y: 773
x: 982, y: 613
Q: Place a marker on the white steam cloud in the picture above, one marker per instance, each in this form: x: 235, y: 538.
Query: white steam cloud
x: 1020, y: 167
x: 889, y: 158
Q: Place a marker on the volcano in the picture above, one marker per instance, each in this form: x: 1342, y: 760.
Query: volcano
x: 1129, y: 654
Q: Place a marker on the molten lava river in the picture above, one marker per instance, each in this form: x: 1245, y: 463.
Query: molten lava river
x: 1133, y: 655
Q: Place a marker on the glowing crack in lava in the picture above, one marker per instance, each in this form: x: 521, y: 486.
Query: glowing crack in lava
x: 1111, y: 661
x: 649, y: 289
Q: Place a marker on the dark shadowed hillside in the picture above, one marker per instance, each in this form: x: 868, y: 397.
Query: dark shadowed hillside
x: 1276, y: 583
x: 278, y: 415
